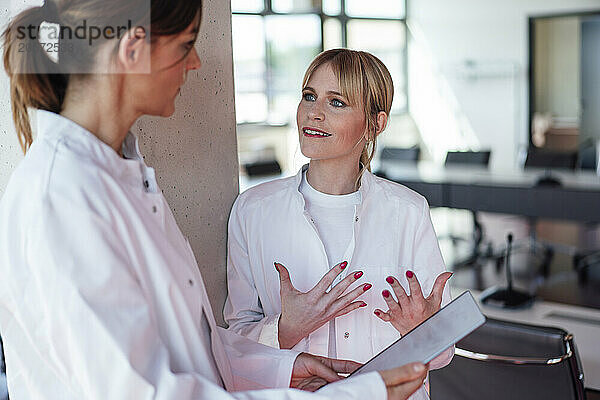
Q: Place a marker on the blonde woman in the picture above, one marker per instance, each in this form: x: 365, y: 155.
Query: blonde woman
x: 335, y: 261
x: 100, y: 295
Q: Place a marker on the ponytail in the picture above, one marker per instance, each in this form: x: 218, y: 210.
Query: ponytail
x: 34, y: 78
x: 366, y: 157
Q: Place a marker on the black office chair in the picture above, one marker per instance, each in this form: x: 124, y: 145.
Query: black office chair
x: 405, y: 154
x: 584, y: 262
x: 550, y: 159
x: 263, y: 168
x: 400, y: 153
x: 481, y: 158
x: 3, y: 386
x: 588, y: 159
x: 587, y: 264
x: 473, y: 158
x: 507, y: 360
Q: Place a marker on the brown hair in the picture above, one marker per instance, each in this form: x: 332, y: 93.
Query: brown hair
x: 363, y: 79
x: 38, y: 82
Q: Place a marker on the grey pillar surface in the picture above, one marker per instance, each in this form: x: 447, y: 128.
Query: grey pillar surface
x: 195, y: 151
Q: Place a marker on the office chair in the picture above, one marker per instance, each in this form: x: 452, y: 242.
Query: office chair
x: 3, y: 386
x: 481, y: 158
x: 508, y: 360
x: 549, y: 159
x: 408, y: 154
x: 400, y: 153
x: 588, y: 159
x: 473, y: 158
x: 262, y: 168
x: 584, y: 263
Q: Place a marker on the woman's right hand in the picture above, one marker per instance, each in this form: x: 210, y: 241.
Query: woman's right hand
x: 403, y: 381
x: 303, y: 313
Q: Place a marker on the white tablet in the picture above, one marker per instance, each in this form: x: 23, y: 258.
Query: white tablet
x: 430, y: 338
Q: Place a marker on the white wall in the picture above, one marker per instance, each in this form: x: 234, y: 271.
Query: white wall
x: 194, y: 152
x: 468, y: 63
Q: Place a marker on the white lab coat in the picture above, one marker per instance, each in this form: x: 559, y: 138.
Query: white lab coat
x: 392, y: 233
x: 100, y: 294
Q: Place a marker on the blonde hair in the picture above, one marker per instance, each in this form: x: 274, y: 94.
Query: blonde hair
x: 363, y: 79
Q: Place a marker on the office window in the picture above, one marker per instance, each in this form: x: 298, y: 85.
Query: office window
x: 288, y: 6
x: 292, y: 42
x: 332, y: 7
x: 366, y: 34
x: 332, y: 33
x: 250, y: 6
x: 275, y: 40
x: 375, y: 8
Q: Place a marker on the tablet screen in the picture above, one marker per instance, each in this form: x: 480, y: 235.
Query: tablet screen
x: 430, y: 338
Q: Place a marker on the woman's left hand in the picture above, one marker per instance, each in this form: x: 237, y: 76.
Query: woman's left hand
x: 411, y: 310
x: 311, y: 372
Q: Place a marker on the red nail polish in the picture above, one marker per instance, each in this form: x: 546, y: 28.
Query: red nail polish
x: 343, y: 265
x: 389, y: 279
x: 363, y: 305
x: 358, y: 275
x: 386, y: 293
x: 409, y: 274
x: 367, y: 287
x: 377, y: 313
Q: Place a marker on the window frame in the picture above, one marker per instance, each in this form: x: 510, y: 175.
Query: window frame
x: 343, y: 19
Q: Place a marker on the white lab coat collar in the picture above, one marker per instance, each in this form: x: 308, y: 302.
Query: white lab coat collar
x: 366, y: 185
x: 82, y: 142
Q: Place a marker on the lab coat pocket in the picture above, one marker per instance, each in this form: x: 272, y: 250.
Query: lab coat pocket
x: 382, y: 333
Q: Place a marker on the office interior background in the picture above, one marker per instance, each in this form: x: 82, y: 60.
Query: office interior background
x: 470, y: 75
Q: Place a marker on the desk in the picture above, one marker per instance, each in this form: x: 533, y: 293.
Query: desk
x: 509, y: 192
x: 583, y: 323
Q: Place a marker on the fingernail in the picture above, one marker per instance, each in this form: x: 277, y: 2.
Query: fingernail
x: 363, y: 305
x: 343, y: 265
x: 386, y: 293
x: 409, y: 274
x: 367, y: 287
x: 358, y: 275
x: 389, y: 279
x: 418, y: 367
x: 276, y: 266
x: 377, y: 313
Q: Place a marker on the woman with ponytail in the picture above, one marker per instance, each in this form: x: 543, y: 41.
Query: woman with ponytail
x: 100, y: 294
x: 313, y: 259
